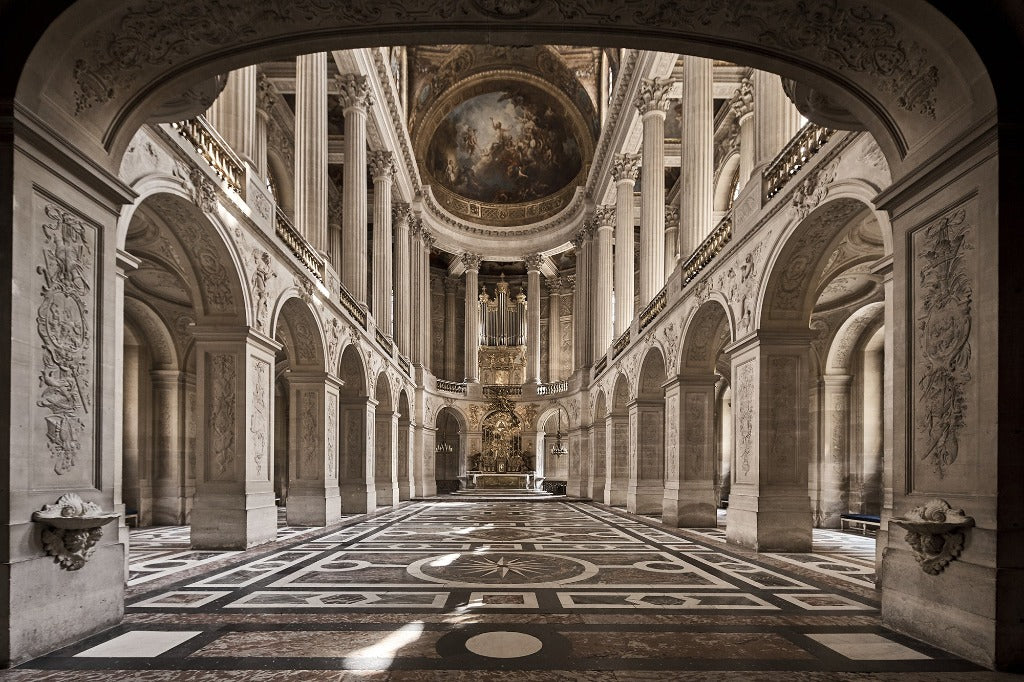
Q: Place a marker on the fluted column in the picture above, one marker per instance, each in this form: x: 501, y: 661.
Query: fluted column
x: 416, y: 290
x: 355, y: 99
x: 624, y: 173
x: 604, y: 223
x: 233, y: 113
x: 582, y: 342
x: 652, y: 103
x: 403, y: 279
x: 424, y: 309
x: 554, y: 328
x: 742, y: 104
x: 776, y: 120
x: 533, y: 263
x: 451, y: 287
x: 382, y: 170
x: 311, y: 148
x: 266, y: 99
x: 671, y: 238
x: 472, y: 263
x: 696, y: 194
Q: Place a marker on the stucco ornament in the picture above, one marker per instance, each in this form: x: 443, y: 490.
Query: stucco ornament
x: 935, y: 531
x: 73, y: 527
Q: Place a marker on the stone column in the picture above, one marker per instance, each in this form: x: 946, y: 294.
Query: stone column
x: 835, y: 449
x: 234, y: 506
x: 671, y: 238
x: 355, y: 100
x: 266, y: 99
x: 769, y: 508
x: 696, y: 196
x: 168, y: 476
x: 554, y: 328
x: 403, y: 457
x: 624, y: 171
x: 646, y: 489
x: 742, y: 104
x: 690, y: 451
x: 603, y: 270
x: 403, y: 279
x: 776, y: 120
x: 311, y: 148
x: 382, y: 170
x: 581, y: 312
x: 233, y: 114
x: 451, y: 287
x: 357, y: 454
x: 472, y: 343
x: 652, y: 103
x: 424, y: 309
x: 617, y: 469
x: 313, y: 495
x: 533, y: 263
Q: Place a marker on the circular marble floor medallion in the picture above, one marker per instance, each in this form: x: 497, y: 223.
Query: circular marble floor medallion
x: 500, y: 568
x: 504, y: 644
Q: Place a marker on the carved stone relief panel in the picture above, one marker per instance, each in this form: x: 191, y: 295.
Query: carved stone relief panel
x: 672, y: 437
x: 220, y: 387
x: 745, y: 400
x: 65, y: 322
x: 651, y: 444
x: 332, y: 436
x: 259, y: 419
x: 944, y: 271
x: 782, y: 434
x: 698, y: 448
x: 355, y: 443
x: 310, y: 434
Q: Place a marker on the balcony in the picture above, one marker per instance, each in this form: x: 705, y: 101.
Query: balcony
x: 707, y: 250
x: 793, y: 157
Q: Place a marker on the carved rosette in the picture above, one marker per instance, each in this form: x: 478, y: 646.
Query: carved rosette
x: 935, y: 532
x: 63, y: 324
x: 381, y: 164
x: 626, y: 167
x: 354, y: 92
x: 943, y: 313
x: 653, y: 96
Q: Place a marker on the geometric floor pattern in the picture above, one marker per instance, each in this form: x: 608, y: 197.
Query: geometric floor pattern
x: 463, y: 590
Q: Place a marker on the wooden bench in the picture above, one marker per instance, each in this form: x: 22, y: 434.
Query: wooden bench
x: 863, y: 522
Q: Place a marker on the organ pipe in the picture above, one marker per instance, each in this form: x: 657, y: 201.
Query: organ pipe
x: 502, y: 317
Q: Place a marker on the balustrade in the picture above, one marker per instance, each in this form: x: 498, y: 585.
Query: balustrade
x: 708, y: 249
x: 349, y: 303
x: 620, y: 344
x: 553, y: 387
x: 653, y: 308
x: 793, y: 157
x: 502, y: 390
x: 450, y: 386
x: 385, y: 342
x: 298, y: 245
x: 214, y: 150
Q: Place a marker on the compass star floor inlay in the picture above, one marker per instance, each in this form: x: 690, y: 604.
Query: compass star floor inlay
x: 544, y: 590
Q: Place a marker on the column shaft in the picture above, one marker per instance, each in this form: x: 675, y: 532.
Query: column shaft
x: 355, y: 98
x: 624, y: 172
x: 311, y: 148
x: 776, y: 120
x: 697, y: 191
x: 472, y: 342
x: 652, y: 103
x: 383, y: 168
x: 603, y: 270
x: 554, y: 329
x: 403, y: 279
x: 533, y: 262
x: 233, y: 114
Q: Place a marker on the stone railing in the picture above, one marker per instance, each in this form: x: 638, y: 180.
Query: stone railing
x: 653, y: 308
x: 553, y: 387
x: 298, y: 245
x: 404, y: 363
x: 450, y: 386
x: 620, y: 344
x: 600, y: 365
x: 385, y: 342
x: 502, y: 390
x: 349, y: 303
x: 708, y: 249
x: 793, y: 157
x: 212, y: 147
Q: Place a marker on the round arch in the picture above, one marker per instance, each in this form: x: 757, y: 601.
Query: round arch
x: 706, y: 331
x: 154, y: 330
x: 294, y: 324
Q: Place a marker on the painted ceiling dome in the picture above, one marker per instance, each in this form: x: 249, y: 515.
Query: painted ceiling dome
x: 504, y: 147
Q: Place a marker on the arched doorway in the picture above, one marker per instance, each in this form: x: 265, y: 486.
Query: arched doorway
x: 647, y: 438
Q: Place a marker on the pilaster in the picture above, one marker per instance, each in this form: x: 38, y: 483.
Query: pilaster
x: 690, y: 461
x: 313, y: 495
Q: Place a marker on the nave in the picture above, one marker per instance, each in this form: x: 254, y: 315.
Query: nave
x: 453, y: 590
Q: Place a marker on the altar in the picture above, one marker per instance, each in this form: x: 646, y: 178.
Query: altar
x: 506, y: 481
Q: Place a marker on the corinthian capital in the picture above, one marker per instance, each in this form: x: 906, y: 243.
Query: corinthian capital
x: 533, y: 261
x: 400, y: 213
x: 604, y: 216
x: 354, y: 91
x: 266, y: 93
x: 653, y: 95
x: 382, y: 165
x: 471, y: 261
x: 742, y: 102
x: 626, y: 167
x: 671, y: 216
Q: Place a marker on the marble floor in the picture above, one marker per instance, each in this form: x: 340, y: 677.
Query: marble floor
x: 498, y: 589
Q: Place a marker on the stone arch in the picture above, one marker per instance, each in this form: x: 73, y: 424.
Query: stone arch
x: 297, y: 327
x: 599, y: 446
x: 162, y: 350
x: 384, y: 441
x: 403, y: 449
x: 352, y: 372
x: 725, y: 181
x: 850, y: 333
x: 356, y: 434
x: 707, y: 330
x: 647, y: 436
x: 789, y: 288
x: 448, y: 467
x: 167, y: 227
x: 910, y: 67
